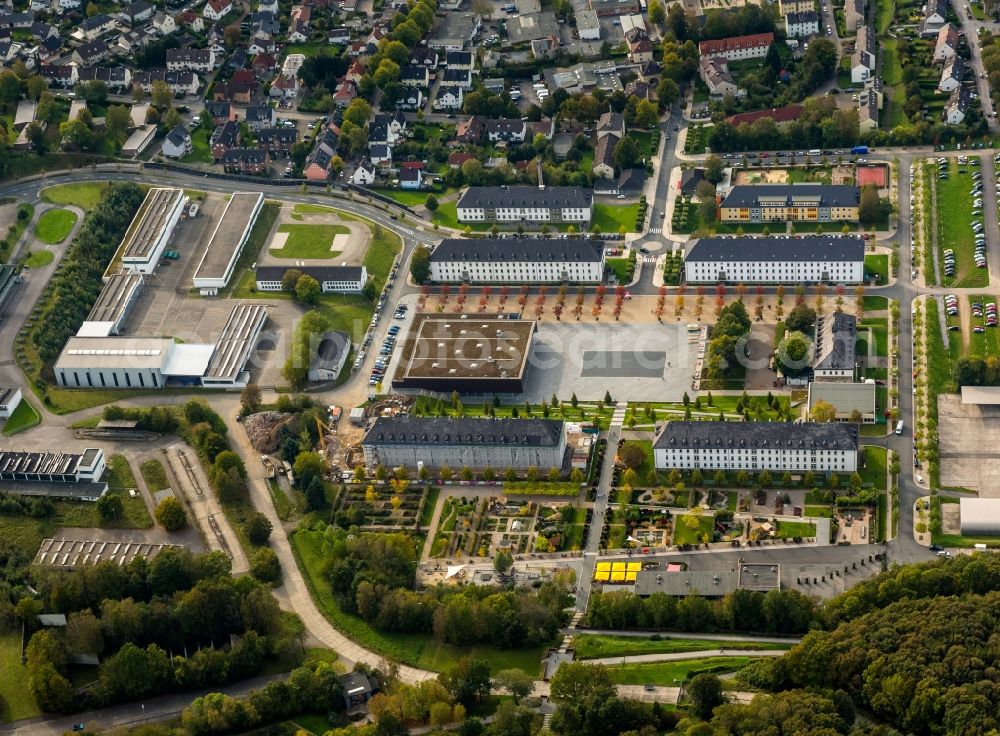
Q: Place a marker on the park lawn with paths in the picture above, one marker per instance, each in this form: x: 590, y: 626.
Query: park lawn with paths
x: 25, y: 416
x: 84, y: 194
x: 647, y: 459
x: 873, y: 474
x: 954, y: 205
x: 885, y: 10
x: 596, y: 646
x: 417, y: 650
x: 16, y: 701
x: 878, y: 329
x: 54, y: 225
x: 155, y: 475
x: 385, y: 245
x: 611, y: 218
x: 39, y: 258
x: 684, y: 535
x: 308, y: 241
x: 431, y: 496
x: 671, y: 674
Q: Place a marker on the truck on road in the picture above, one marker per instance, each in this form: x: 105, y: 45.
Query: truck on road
x: 859, y: 149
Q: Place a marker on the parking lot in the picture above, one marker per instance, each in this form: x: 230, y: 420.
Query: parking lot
x: 969, y: 438
x: 632, y: 361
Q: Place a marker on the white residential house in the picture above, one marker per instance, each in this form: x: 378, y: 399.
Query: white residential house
x: 957, y: 107
x: 164, y: 24
x: 364, y: 175
x: 952, y: 75
x: 947, y: 44
x: 449, y: 98
x: 177, y: 144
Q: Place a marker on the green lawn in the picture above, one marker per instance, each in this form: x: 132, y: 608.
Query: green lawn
x: 15, y: 700
x: 201, y: 149
x: 404, y: 197
x: 120, y: 475
x: 54, y: 225
x: 790, y: 529
x: 312, y: 209
x: 84, y: 194
x: 673, y: 673
x: 874, y: 471
x: 446, y: 215
x: 878, y: 266
x: 25, y: 416
x: 385, y: 245
x: 16, y: 229
x: 430, y: 501
x: 308, y: 241
x: 683, y: 535
x: 39, y: 258
x: 418, y: 650
x: 155, y: 475
x: 594, y: 646
x: 874, y: 303
x: 611, y: 218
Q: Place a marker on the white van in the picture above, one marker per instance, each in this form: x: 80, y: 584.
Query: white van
x: 899, y: 427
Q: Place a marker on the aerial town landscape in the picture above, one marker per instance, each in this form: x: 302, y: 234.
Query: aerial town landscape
x: 499, y: 367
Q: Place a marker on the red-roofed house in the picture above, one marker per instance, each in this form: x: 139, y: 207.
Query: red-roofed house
x: 455, y: 160
x: 356, y: 72
x: 345, y: 93
x: 264, y: 65
x: 778, y: 114
x: 217, y: 9
x: 738, y: 48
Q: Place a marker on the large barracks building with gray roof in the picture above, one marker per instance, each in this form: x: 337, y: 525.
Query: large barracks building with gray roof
x: 795, y: 447
x: 790, y: 260
x: 525, y: 204
x: 465, y: 442
x: 525, y: 260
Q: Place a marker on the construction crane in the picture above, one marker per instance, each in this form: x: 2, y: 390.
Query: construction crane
x: 322, y: 429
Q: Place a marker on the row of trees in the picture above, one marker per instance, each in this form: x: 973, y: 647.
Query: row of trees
x: 777, y: 611
x: 75, y: 287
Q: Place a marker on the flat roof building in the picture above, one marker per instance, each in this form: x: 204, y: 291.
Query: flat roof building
x: 227, y: 368
x: 760, y: 260
x: 755, y: 446
x: 979, y: 516
x: 465, y: 353
x: 784, y: 202
x: 108, y: 315
x: 73, y: 475
x: 465, y: 442
x: 531, y: 260
x: 153, y: 362
x: 227, y: 241
x: 708, y: 583
x: 846, y: 399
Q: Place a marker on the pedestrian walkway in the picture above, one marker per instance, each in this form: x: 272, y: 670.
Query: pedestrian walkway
x: 682, y: 656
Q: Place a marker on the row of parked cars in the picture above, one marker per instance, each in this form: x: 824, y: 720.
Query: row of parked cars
x: 384, y: 356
